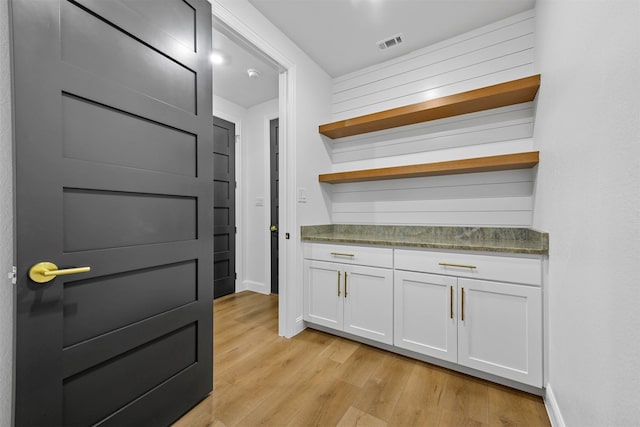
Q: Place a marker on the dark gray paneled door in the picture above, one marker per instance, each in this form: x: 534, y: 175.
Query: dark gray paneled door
x: 114, y: 170
x: 274, y: 138
x: 224, y: 207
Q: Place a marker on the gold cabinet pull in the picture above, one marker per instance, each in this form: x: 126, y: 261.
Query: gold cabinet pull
x: 448, y: 264
x: 338, y: 283
x: 462, y: 305
x: 44, y: 272
x: 342, y: 254
x: 451, y: 301
x: 345, y: 284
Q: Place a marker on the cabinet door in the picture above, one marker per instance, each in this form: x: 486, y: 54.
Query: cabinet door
x: 368, y: 302
x: 500, y: 329
x: 425, y: 314
x: 323, y: 301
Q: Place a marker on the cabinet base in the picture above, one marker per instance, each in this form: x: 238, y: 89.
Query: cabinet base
x: 444, y: 364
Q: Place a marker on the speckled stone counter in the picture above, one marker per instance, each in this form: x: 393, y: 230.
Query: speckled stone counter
x: 506, y: 240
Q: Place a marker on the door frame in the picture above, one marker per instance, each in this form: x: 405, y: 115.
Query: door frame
x: 288, y: 325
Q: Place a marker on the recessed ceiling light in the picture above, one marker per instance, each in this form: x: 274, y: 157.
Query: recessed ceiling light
x: 253, y: 73
x: 218, y: 58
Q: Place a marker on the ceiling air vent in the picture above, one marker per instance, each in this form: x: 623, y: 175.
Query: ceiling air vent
x: 391, y: 41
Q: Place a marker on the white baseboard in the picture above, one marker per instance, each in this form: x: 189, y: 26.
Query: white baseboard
x: 250, y: 285
x: 298, y: 327
x: 550, y: 402
x: 241, y: 286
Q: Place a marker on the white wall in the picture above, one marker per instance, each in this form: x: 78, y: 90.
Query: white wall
x: 6, y: 223
x: 256, y: 212
x: 588, y: 198
x: 493, y: 54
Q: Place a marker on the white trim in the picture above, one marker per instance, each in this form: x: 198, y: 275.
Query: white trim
x: 237, y: 25
x: 290, y: 255
x: 253, y: 286
x: 287, y: 215
x: 300, y: 325
x: 553, y: 409
x: 240, y: 221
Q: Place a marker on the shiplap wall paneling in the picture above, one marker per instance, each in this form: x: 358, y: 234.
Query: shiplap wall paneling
x: 498, y: 125
x: 493, y: 54
x: 480, y: 199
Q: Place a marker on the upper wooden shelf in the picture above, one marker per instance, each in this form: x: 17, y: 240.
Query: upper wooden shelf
x: 478, y: 164
x: 500, y: 95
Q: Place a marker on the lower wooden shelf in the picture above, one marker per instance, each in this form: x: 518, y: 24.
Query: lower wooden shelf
x: 524, y: 160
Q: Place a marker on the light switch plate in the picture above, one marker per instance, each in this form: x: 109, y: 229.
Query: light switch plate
x: 302, y: 195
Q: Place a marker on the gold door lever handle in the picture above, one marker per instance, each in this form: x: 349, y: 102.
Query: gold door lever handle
x: 44, y: 272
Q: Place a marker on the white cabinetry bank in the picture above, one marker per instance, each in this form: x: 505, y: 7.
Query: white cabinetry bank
x: 466, y: 298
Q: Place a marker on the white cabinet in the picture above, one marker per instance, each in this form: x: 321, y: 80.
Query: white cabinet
x: 476, y: 310
x: 357, y: 299
x: 368, y: 302
x: 487, y: 325
x: 323, y: 301
x: 500, y: 329
x: 425, y: 318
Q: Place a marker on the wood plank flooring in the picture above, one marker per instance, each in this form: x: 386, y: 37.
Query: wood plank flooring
x: 316, y: 379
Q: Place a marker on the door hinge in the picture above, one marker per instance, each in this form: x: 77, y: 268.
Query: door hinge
x: 235, y: 276
x: 13, y: 275
x: 236, y: 228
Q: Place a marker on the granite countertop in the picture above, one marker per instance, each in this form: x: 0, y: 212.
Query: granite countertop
x: 491, y: 239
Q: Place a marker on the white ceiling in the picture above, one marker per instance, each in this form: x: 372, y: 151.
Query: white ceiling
x: 231, y: 80
x: 341, y: 35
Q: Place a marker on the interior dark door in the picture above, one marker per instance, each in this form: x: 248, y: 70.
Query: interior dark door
x: 224, y: 207
x: 275, y: 201
x: 114, y: 172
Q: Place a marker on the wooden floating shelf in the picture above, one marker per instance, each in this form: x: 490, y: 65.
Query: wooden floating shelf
x: 500, y: 95
x: 479, y: 164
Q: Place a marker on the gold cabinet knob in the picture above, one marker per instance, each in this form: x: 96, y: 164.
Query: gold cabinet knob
x: 273, y: 228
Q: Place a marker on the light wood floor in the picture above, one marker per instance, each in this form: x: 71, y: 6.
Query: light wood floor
x: 318, y: 379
